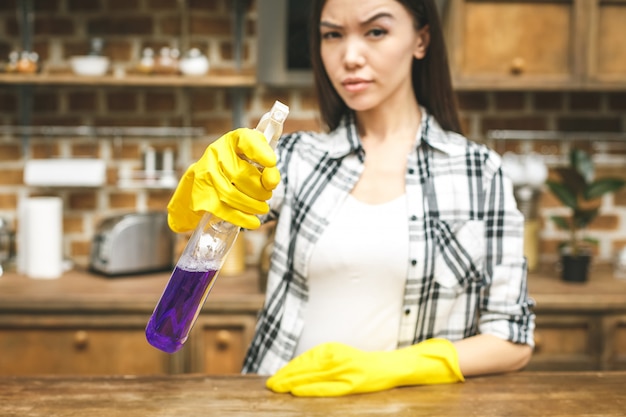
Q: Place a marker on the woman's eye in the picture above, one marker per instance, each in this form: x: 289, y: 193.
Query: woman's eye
x: 330, y: 35
x: 377, y: 33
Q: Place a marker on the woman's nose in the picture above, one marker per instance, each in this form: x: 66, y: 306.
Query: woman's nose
x: 353, y: 54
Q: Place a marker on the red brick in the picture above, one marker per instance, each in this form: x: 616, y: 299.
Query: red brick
x: 548, y: 100
x: 8, y: 102
x: 82, y: 101
x: 605, y: 222
x: 72, y: 223
x: 157, y: 200
x: 471, y: 100
x: 203, y: 25
x: 617, y: 101
x: 8, y: 201
x: 517, y: 123
x: 82, y: 200
x: 294, y: 124
x: 589, y: 124
x: 160, y: 102
x: 84, y: 5
x: 47, y: 149
x: 45, y: 102
x: 132, y: 121
x: 44, y: 5
x: 55, y: 26
x: 214, y: 125
x: 10, y: 152
x: 61, y: 120
x: 170, y: 26
x: 162, y: 5
x: 202, y: 100
x: 122, y: 200
x: 10, y: 5
x: 42, y: 47
x: 120, y: 26
x: 585, y: 101
x: 208, y: 5
x: 121, y: 101
x: 509, y: 100
x: 125, y: 5
x: 91, y: 150
x: 10, y: 176
x: 12, y: 28
x: 118, y: 50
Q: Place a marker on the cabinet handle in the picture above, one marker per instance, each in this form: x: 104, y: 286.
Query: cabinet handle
x: 518, y: 65
x: 81, y: 339
x: 223, y: 339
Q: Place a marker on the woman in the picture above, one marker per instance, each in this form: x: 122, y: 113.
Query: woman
x: 398, y: 251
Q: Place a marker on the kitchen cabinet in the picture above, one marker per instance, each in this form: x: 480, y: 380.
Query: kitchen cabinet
x: 85, y: 324
x: 579, y: 326
x: 548, y: 44
x: 607, y: 49
x: 90, y: 325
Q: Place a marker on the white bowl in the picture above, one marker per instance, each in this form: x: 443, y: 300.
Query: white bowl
x: 90, y: 65
x: 195, y: 66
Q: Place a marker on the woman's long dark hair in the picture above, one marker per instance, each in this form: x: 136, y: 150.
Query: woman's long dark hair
x: 432, y: 83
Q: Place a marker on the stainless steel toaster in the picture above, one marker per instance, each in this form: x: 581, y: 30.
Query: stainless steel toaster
x: 132, y: 243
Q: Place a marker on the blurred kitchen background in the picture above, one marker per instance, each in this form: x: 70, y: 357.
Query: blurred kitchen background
x: 531, y: 77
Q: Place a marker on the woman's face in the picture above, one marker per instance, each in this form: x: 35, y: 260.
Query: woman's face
x: 367, y: 47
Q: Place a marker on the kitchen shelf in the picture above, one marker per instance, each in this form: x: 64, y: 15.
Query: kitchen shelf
x: 215, y: 78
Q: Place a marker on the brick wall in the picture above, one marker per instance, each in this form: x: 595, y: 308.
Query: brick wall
x: 64, y: 27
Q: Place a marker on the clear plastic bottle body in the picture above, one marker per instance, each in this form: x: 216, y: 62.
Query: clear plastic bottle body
x: 190, y: 283
x: 197, y: 269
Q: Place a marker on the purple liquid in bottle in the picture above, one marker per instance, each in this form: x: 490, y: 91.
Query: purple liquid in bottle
x: 178, y: 308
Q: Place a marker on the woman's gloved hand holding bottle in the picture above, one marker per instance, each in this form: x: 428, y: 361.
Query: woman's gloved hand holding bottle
x: 224, y: 190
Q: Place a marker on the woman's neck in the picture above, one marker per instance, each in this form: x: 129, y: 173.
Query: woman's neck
x: 389, y: 122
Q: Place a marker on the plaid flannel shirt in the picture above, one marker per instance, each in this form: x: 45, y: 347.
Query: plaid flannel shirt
x: 466, y: 269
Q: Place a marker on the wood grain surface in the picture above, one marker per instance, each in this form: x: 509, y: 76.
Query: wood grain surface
x: 525, y: 394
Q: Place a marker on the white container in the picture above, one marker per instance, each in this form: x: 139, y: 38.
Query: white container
x: 65, y: 172
x: 42, y: 237
x: 194, y: 64
x: 90, y: 65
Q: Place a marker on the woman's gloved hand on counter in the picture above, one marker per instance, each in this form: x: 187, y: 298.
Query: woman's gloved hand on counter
x: 334, y: 369
x: 224, y: 183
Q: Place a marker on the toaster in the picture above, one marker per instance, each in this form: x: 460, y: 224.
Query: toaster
x: 132, y: 243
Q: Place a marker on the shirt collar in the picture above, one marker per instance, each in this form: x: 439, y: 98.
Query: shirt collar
x: 345, y: 138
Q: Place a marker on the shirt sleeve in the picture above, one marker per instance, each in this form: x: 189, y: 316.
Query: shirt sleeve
x: 506, y: 311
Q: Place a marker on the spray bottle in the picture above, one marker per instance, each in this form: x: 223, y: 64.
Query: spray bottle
x: 198, y: 266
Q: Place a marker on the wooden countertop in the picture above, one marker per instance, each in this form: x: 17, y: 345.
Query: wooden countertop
x: 526, y: 394
x: 80, y: 290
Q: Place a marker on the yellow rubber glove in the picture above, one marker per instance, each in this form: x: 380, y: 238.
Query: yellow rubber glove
x: 225, y: 184
x: 334, y: 369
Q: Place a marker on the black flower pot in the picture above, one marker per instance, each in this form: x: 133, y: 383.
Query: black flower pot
x: 575, y: 267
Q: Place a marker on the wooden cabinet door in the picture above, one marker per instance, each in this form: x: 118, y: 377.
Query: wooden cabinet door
x: 607, y: 51
x: 567, y: 342
x: 68, y: 346
x: 615, y: 351
x: 220, y: 343
x: 515, y: 43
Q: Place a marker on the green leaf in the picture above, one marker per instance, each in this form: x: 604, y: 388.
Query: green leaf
x: 561, y: 222
x: 582, y: 163
x: 582, y: 218
x: 602, y: 186
x: 563, y: 194
x: 592, y: 241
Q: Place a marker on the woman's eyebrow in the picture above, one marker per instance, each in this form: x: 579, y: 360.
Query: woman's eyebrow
x: 327, y: 24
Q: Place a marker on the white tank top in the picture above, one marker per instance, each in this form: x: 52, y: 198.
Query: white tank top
x: 357, y: 276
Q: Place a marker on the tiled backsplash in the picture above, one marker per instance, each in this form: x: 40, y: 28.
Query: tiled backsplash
x: 66, y: 30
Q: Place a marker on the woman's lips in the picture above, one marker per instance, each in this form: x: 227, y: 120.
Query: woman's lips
x: 355, y: 85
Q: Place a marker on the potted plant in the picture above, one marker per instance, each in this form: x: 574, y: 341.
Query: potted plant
x: 578, y: 189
